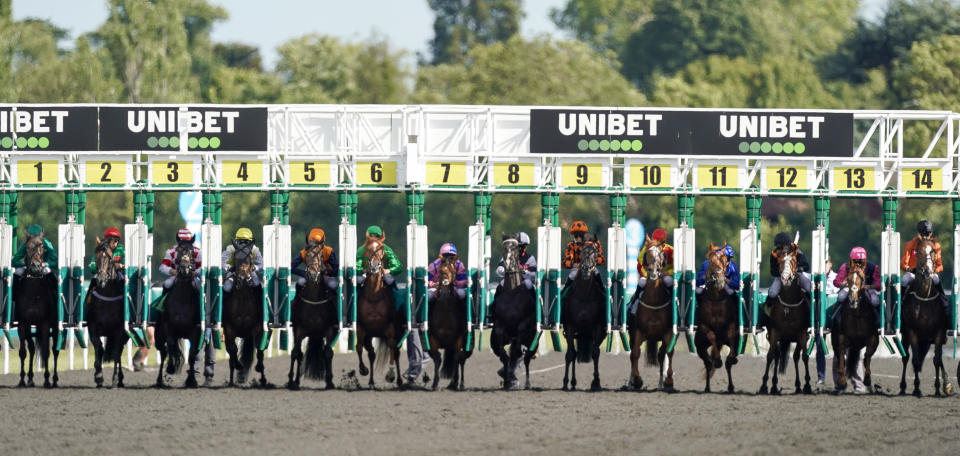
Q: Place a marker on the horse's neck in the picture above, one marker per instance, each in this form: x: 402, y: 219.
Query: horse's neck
x: 653, y: 292
x: 373, y: 287
x: 513, y: 280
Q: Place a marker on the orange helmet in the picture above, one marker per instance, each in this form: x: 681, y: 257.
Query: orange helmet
x: 317, y: 234
x: 578, y: 227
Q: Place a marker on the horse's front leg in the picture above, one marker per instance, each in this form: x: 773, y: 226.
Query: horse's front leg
x: 359, y: 335
x: 192, y: 356
x: 97, y: 355
x: 296, y: 366
x: 771, y: 357
x: 637, y: 338
x: 43, y: 332
x: 937, y: 366
x: 806, y: 366
x: 231, y: 343
x: 872, y: 344
x: 734, y: 337
x: 595, y: 384
x: 570, y: 358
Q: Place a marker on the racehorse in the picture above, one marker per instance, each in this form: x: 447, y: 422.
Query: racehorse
x: 180, y: 319
x: 788, y: 323
x: 653, y: 321
x: 716, y: 318
x: 377, y: 315
x: 856, y: 329
x: 448, y: 328
x: 105, y: 314
x: 243, y: 317
x: 923, y: 321
x: 584, y: 318
x: 314, y: 318
x: 514, y: 316
x: 36, y: 307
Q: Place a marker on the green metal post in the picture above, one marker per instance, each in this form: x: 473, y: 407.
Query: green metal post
x: 616, y: 280
x: 477, y: 299
x: 347, y: 210
x: 417, y: 305
x: 684, y: 288
x: 70, y: 286
x: 213, y: 276
x: 821, y: 205
x: 8, y: 211
x: 751, y: 299
x: 549, y: 282
x: 891, y: 281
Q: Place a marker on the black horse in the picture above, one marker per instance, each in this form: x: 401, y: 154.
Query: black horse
x: 315, y: 318
x: 180, y: 319
x: 105, y: 314
x: 514, y: 316
x: 788, y: 323
x: 448, y: 328
x: 36, y: 308
x: 856, y: 329
x: 584, y: 317
x: 923, y: 320
x: 243, y: 316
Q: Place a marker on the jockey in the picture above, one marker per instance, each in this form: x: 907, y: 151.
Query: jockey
x: 858, y: 256
x: 317, y: 237
x: 49, y: 253
x: 169, y: 264
x: 908, y: 262
x: 571, y: 255
x: 242, y: 240
x: 391, y: 264
x: 528, y: 263
x: 732, y: 273
x: 780, y: 242
x: 111, y: 237
x: 447, y: 251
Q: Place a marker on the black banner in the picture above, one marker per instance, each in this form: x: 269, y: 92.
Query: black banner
x: 649, y: 132
x: 48, y: 128
x: 208, y: 128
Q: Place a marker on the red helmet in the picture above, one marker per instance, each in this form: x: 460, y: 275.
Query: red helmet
x: 111, y: 232
x: 184, y: 234
x: 659, y: 234
x: 578, y: 227
x: 858, y: 253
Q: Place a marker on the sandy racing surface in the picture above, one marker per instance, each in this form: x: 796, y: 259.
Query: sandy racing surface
x: 79, y: 419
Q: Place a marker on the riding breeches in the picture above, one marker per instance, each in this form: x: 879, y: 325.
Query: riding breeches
x: 667, y: 281
x: 330, y: 282
x: 527, y: 283
x: 387, y: 278
x: 228, y: 282
x: 573, y: 273
x: 432, y: 293
x: 908, y: 278
x: 872, y: 295
x: 19, y: 271
x: 700, y: 289
x: 170, y: 280
x: 774, y: 289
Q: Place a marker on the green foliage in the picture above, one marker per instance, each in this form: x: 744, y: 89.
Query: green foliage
x: 605, y: 25
x: 460, y: 25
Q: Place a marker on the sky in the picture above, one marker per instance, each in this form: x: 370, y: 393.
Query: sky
x: 408, y: 24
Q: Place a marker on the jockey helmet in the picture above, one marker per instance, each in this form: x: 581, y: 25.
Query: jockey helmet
x: 111, y: 232
x: 375, y: 230
x: 317, y: 235
x: 184, y: 234
x: 578, y: 227
x: 448, y: 249
x: 34, y: 230
x: 523, y: 238
x: 728, y: 251
x: 781, y: 239
x: 244, y: 234
x: 659, y: 234
x: 925, y: 228
x: 858, y: 253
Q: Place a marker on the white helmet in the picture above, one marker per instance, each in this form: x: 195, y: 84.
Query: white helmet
x: 523, y: 238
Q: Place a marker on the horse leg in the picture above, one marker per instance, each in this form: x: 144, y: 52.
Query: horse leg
x: 840, y: 358
x: 702, y: 344
x: 434, y: 353
x: 231, y: 343
x: 161, y: 343
x: 359, y: 335
x: 23, y: 357
x: 192, y: 356
x: 117, y: 355
x: 937, y: 367
x: 293, y: 380
x: 734, y: 339
x: 43, y: 333
x: 569, y: 358
x: 395, y: 354
x: 97, y: 355
x: 526, y: 365
x: 919, y: 354
x: 668, y: 365
x: 947, y: 387
x: 872, y: 345
x: 262, y: 371
x: 796, y: 366
x: 371, y: 356
x: 635, y: 340
x: 771, y: 359
x: 906, y: 361
x: 806, y: 366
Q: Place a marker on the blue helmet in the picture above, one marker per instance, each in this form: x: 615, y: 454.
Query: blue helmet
x: 728, y: 251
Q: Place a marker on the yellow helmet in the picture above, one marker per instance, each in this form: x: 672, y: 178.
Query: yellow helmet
x: 244, y: 233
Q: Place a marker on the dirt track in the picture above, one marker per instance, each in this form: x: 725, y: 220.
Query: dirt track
x: 483, y: 420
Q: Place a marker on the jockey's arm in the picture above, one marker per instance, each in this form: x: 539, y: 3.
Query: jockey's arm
x: 938, y: 265
x: 225, y: 258
x: 257, y: 259
x: 668, y: 267
x: 333, y: 265
x: 295, y: 268
x: 733, y: 274
x: 432, y: 280
x: 600, y: 259
x: 569, y: 255
x: 50, y: 255
x: 166, y: 266
x: 875, y: 280
x: 461, y: 280
x: 18, y: 258
x: 841, y: 277
x: 390, y: 261
x: 905, y: 258
x: 702, y: 273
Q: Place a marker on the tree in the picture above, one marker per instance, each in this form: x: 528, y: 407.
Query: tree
x: 519, y: 72
x: 605, y: 25
x: 238, y: 55
x: 462, y: 24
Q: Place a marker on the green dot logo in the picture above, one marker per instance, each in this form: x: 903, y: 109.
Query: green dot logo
x: 744, y: 147
x: 765, y: 147
x: 777, y: 148
x: 636, y: 144
x: 163, y: 141
x: 6, y: 142
x: 754, y: 147
x: 788, y: 148
x: 22, y: 142
x: 44, y: 142
x: 626, y: 145
x: 615, y: 145
x: 594, y: 145
x: 582, y: 145
x: 204, y: 142
x: 32, y: 142
x: 174, y: 141
x: 799, y: 148
x: 152, y: 142
x: 604, y: 145
x: 214, y: 142
x: 192, y: 142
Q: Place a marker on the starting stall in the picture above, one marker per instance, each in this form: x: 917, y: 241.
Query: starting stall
x: 71, y: 288
x: 617, y: 273
x: 138, y: 241
x: 277, y: 297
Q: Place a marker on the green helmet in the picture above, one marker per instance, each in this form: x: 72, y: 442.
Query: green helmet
x: 375, y: 230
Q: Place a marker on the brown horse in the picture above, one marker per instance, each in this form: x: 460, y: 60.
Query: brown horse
x: 788, y: 323
x: 243, y: 317
x: 857, y: 328
x: 923, y: 320
x: 448, y: 328
x: 653, y: 321
x: 105, y: 314
x: 377, y: 316
x: 716, y: 318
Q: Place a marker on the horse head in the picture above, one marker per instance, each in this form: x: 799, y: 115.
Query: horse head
x: 588, y: 257
x: 447, y: 272
x: 653, y: 259
x: 243, y: 262
x: 313, y: 258
x: 184, y: 257
x: 511, y: 260
x: 787, y: 260
x: 856, y: 281
x: 106, y: 267
x: 717, y: 260
x: 926, y: 259
x: 35, y: 253
x: 373, y: 253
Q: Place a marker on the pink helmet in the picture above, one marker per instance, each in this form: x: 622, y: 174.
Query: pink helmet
x: 448, y: 249
x: 858, y: 253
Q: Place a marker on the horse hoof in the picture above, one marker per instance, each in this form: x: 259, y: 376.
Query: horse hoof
x: 364, y: 371
x: 47, y: 385
x: 807, y: 389
x: 595, y: 386
x: 763, y: 390
x: 669, y: 389
x: 637, y: 384
x: 22, y: 384
x: 948, y: 389
x: 565, y: 388
x: 391, y: 376
x: 730, y: 389
x: 330, y: 386
x: 100, y: 385
x: 120, y: 385
x: 293, y: 386
x: 917, y: 393
x: 903, y: 391
x: 190, y: 383
x: 798, y: 391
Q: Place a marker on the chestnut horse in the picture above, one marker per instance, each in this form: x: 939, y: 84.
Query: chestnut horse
x: 716, y: 318
x: 653, y: 321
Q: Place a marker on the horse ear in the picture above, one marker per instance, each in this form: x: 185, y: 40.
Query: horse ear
x: 711, y: 248
x: 96, y: 240
x: 383, y: 238
x: 648, y: 238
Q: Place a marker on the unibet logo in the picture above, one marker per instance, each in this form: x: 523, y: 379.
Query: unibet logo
x: 32, y: 122
x: 770, y: 126
x: 613, y: 124
x: 166, y: 121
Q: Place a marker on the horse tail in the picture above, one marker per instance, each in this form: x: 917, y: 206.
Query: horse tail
x: 313, y: 365
x: 652, y: 351
x: 175, y: 363
x: 247, y: 347
x: 584, y: 349
x: 852, y: 361
x: 449, y: 367
x: 784, y: 355
x: 383, y: 352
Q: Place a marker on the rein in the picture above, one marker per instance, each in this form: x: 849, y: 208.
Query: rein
x: 105, y: 298
x: 647, y: 306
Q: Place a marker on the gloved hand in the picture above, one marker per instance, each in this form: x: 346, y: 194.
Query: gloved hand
x: 500, y: 271
x: 46, y: 270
